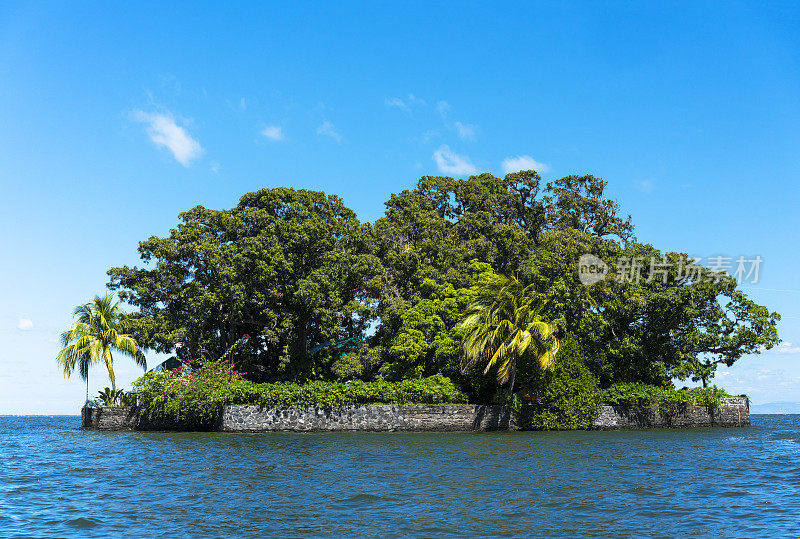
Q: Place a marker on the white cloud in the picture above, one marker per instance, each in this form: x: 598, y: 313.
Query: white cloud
x: 450, y: 162
x: 329, y: 129
x: 273, y: 132
x: 405, y: 105
x: 443, y: 107
x: 465, y: 131
x: 428, y: 136
x: 398, y: 103
x: 165, y: 132
x: 242, y: 104
x: 645, y: 186
x: 523, y: 162
x: 783, y: 348
x: 25, y: 324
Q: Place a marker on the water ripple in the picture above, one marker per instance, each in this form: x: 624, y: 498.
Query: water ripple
x: 58, y: 481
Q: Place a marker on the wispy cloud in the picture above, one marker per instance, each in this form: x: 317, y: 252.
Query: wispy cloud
x: 645, y: 186
x: 783, y: 348
x: 329, y: 130
x: 523, y: 162
x: 242, y: 104
x: 165, y: 132
x: 465, y: 131
x: 414, y: 100
x: 428, y: 136
x: 450, y: 162
x: 25, y: 324
x: 396, y: 102
x: 273, y: 132
x: 405, y: 105
x: 443, y: 107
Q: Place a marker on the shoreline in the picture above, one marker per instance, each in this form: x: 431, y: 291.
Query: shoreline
x: 731, y: 412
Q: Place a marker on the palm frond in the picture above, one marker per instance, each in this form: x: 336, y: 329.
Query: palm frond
x: 99, y: 329
x: 502, y: 325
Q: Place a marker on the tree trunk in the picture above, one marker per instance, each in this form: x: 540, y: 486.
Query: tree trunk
x: 301, y: 345
x: 513, y: 377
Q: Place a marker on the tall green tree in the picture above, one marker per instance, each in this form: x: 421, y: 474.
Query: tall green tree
x: 647, y: 322
x: 503, y: 327
x: 434, y: 230
x: 428, y: 341
x: 292, y: 268
x: 97, y: 333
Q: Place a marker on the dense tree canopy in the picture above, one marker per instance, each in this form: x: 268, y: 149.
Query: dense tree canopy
x: 295, y: 268
x: 290, y: 268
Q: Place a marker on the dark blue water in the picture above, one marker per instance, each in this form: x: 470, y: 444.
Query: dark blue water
x: 56, y: 481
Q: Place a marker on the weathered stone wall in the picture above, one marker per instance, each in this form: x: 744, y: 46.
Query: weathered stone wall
x: 109, y: 418
x: 121, y: 418
x: 732, y: 412
x: 373, y: 417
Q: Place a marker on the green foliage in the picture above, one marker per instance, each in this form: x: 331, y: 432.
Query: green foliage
x: 435, y: 230
x: 191, y: 397
x: 564, y: 398
x: 432, y: 233
x: 128, y: 398
x: 638, y: 330
x: 348, y: 367
x: 362, y: 363
x: 109, y: 397
x: 292, y: 268
x: 295, y: 268
x: 643, y: 395
x: 435, y: 389
x: 646, y: 328
x: 427, y: 340
x: 502, y: 327
x: 195, y: 396
x: 98, y: 332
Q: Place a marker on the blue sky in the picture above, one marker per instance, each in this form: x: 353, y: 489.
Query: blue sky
x: 116, y: 117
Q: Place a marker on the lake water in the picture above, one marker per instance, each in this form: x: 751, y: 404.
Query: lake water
x: 57, y: 481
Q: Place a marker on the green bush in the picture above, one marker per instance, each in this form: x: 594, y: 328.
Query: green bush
x: 564, y: 398
x: 128, y: 399
x: 642, y: 395
x: 195, y: 397
x: 109, y: 397
x: 347, y: 367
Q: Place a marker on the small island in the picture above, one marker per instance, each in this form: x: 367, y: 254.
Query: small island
x: 480, y: 304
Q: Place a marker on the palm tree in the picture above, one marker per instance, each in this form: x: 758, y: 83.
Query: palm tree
x: 98, y: 331
x: 503, y: 325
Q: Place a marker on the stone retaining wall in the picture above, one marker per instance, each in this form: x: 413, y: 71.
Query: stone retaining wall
x: 372, y: 417
x: 121, y: 418
x: 365, y: 417
x: 732, y: 412
x: 109, y: 418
